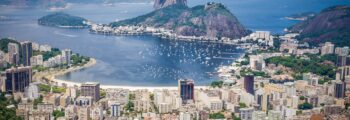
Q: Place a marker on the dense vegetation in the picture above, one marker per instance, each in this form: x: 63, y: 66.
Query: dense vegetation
x: 49, y: 54
x: 217, y: 83
x: 242, y: 105
x: 314, y: 64
x: 159, y: 17
x: 330, y: 25
x: 130, y: 105
x: 79, y: 59
x: 200, y: 20
x: 47, y: 88
x: 62, y: 19
x: 245, y: 71
x: 58, y: 113
x: 305, y: 106
x: 7, y: 113
x: 216, y: 116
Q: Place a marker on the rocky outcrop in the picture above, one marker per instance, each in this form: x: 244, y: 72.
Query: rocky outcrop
x: 331, y: 24
x: 165, y: 3
x: 211, y: 20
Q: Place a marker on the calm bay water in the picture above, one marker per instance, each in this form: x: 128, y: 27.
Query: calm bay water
x: 148, y: 60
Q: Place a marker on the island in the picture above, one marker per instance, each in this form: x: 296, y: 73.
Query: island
x: 173, y: 19
x: 63, y: 20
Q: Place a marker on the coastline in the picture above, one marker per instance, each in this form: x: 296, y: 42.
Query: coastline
x: 51, y: 76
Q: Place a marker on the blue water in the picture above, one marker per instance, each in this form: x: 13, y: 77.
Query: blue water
x: 148, y: 60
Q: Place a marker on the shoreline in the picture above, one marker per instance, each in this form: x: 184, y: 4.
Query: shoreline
x: 51, y: 76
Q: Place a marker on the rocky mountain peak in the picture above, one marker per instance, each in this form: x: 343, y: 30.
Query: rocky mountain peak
x: 158, y: 4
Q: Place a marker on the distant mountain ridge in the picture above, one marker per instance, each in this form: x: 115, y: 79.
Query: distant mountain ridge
x: 211, y: 20
x: 331, y: 24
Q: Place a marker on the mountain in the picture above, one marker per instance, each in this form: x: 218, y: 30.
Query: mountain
x: 165, y: 3
x: 61, y: 19
x: 331, y: 24
x: 210, y: 20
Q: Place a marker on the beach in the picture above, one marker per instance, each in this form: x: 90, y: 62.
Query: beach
x: 51, y: 76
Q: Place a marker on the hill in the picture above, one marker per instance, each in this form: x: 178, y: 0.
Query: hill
x: 210, y: 20
x: 62, y: 20
x: 331, y: 24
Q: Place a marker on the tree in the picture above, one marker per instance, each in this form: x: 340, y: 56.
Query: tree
x: 129, y: 106
x: 217, y: 84
x: 242, y: 105
x: 217, y: 116
x: 305, y: 106
x: 58, y: 113
x: 7, y: 113
x: 234, y: 117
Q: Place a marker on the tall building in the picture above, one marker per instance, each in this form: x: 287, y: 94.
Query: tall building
x: 2, y: 56
x: 91, y: 89
x: 13, y: 52
x: 263, y: 35
x: 256, y: 62
x: 186, y: 90
x: 327, y: 48
x: 32, y: 91
x: 84, y: 113
x: 115, y: 110
x: 66, y: 54
x: 249, y: 83
x: 343, y: 67
x: 339, y: 89
x: 342, y: 51
x: 17, y: 79
x: 26, y: 52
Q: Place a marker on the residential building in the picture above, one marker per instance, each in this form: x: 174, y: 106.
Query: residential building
x: 13, y: 52
x: 26, y: 52
x: 327, y: 48
x: 32, y: 91
x: 17, y: 79
x: 84, y: 113
x: 249, y: 83
x: 246, y: 113
x: 66, y: 54
x: 259, y: 115
x: 186, y: 90
x: 342, y: 51
x: 37, y: 60
x: 339, y: 89
x: 256, y: 62
x: 274, y: 115
x: 115, y: 110
x: 91, y: 89
x: 185, y: 116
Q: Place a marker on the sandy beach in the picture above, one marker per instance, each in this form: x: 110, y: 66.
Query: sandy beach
x: 51, y: 76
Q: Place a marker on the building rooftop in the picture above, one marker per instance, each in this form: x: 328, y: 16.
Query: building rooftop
x: 90, y: 84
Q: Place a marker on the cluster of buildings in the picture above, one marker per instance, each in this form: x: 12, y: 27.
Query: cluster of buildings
x: 63, y: 58
x: 249, y: 97
x: 139, y: 30
x: 22, y: 55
